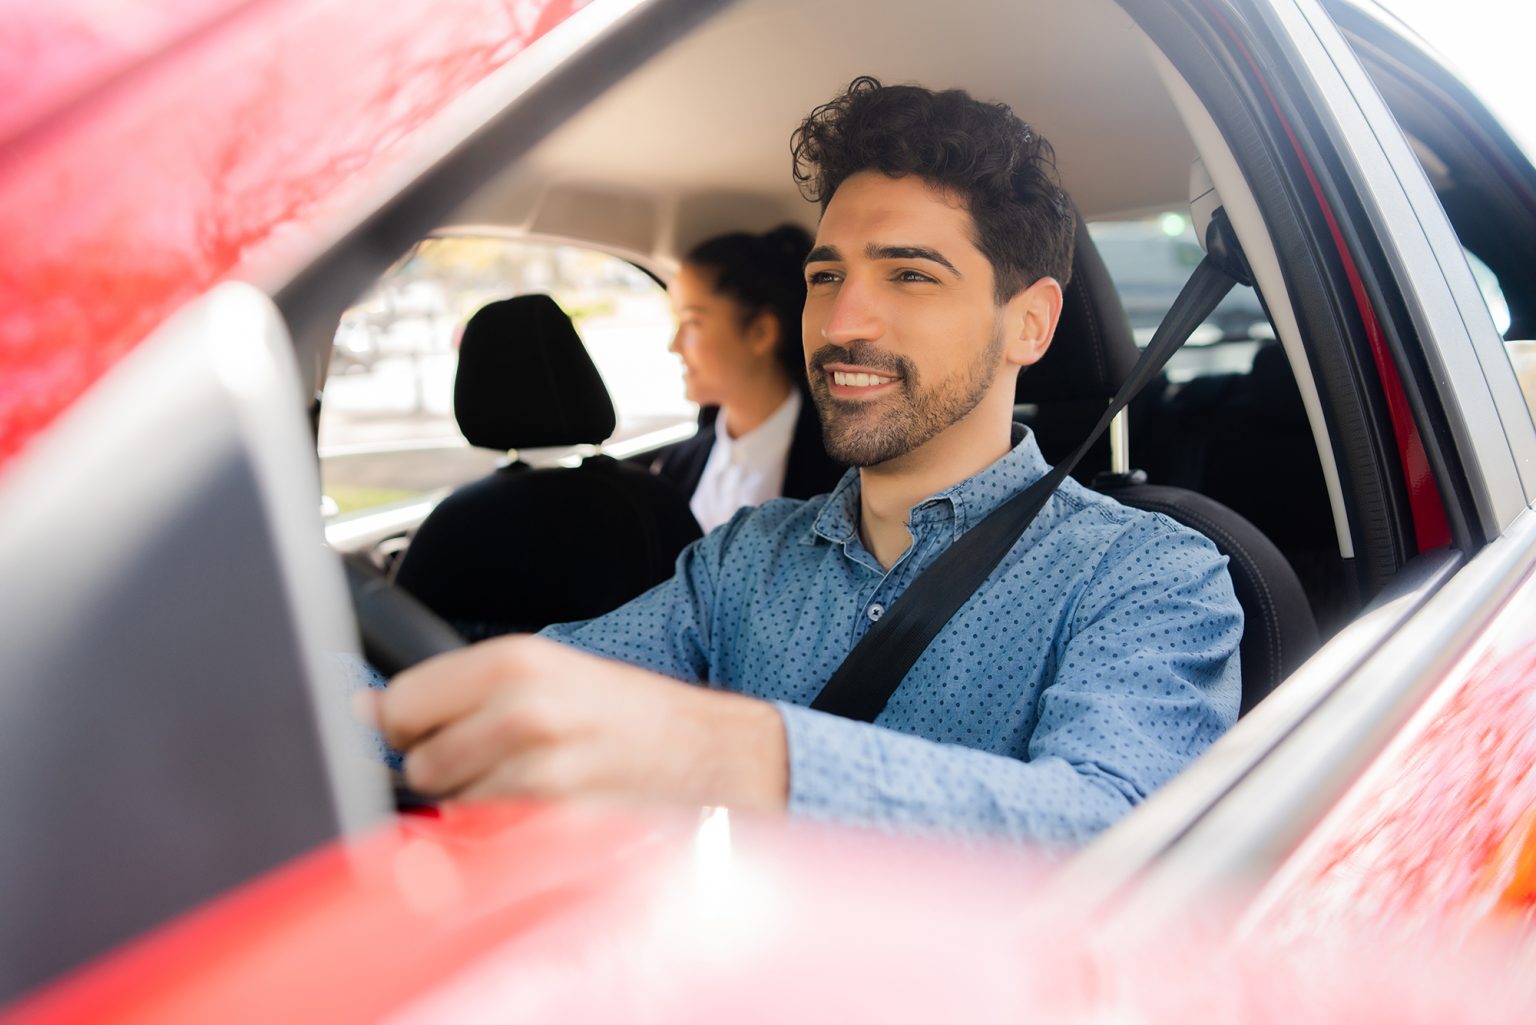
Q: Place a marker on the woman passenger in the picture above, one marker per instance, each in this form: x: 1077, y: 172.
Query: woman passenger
x: 738, y: 300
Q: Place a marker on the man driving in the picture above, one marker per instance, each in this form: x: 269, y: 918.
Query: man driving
x: 1095, y: 661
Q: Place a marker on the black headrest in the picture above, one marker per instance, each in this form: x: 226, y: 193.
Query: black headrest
x: 1094, y: 350
x: 526, y: 381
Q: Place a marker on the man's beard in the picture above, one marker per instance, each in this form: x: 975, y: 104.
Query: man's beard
x: 864, y: 433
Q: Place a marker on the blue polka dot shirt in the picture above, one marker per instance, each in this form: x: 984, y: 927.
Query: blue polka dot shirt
x: 1096, y: 661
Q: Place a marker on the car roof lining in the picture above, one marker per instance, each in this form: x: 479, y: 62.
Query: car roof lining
x: 611, y: 174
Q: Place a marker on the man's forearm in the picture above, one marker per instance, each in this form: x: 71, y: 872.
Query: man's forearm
x: 854, y: 772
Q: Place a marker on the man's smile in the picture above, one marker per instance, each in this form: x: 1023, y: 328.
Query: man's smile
x: 848, y: 381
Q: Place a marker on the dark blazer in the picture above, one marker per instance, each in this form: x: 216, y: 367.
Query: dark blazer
x: 808, y: 470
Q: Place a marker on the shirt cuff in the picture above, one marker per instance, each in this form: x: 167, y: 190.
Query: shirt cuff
x: 832, y: 765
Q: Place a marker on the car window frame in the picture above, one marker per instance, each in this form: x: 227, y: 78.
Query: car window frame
x: 1452, y: 129
x: 1267, y: 783
x: 1329, y: 315
x: 1470, y: 397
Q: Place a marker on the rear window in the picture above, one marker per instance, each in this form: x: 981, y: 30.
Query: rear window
x: 387, y: 432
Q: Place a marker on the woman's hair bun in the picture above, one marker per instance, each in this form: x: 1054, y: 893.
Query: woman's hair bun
x: 791, y: 240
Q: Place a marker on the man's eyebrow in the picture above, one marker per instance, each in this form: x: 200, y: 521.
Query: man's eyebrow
x: 876, y: 251
x: 822, y: 254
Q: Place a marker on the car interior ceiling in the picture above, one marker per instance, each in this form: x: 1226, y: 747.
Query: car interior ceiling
x: 1241, y: 437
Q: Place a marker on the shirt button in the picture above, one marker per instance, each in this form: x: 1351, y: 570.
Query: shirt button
x: 875, y: 612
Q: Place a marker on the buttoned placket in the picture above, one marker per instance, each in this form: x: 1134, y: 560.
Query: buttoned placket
x: 931, y: 524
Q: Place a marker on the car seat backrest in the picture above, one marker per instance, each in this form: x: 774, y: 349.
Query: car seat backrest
x: 1279, y: 631
x: 1093, y: 350
x: 523, y: 547
x: 1244, y: 440
x: 1090, y: 358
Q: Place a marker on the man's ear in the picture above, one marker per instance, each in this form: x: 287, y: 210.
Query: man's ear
x: 1030, y: 321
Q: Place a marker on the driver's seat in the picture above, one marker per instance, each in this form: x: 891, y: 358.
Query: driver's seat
x: 1090, y: 358
x: 523, y: 548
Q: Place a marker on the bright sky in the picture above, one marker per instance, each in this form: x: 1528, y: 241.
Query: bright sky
x: 1489, y: 43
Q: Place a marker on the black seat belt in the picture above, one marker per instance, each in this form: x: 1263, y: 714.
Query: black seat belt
x: 880, y: 661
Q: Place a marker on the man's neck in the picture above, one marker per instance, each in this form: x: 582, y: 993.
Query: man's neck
x: 747, y: 413
x: 888, y: 492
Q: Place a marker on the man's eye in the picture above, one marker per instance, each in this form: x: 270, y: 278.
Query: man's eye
x: 821, y: 277
x: 913, y: 276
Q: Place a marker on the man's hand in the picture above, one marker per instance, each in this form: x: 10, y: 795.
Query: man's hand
x: 528, y: 716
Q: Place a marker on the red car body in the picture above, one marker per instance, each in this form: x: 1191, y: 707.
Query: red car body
x: 146, y: 155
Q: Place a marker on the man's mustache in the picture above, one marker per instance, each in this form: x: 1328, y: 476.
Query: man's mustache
x: 862, y: 354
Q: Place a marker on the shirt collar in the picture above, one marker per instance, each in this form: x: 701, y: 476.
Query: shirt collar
x: 766, y: 442
x: 964, y: 503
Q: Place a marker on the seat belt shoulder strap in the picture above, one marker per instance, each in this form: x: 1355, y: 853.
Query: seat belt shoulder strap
x: 862, y: 686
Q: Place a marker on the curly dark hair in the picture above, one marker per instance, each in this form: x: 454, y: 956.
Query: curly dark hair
x: 1002, y: 168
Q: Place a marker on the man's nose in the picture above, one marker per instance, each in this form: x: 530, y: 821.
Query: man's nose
x: 852, y: 315
x: 677, y: 338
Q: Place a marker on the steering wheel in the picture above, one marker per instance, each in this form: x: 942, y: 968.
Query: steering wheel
x: 397, y: 630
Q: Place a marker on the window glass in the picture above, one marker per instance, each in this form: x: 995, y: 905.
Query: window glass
x: 1493, y: 295
x: 1480, y: 182
x: 387, y: 431
x: 1149, y: 259
x: 1521, y: 351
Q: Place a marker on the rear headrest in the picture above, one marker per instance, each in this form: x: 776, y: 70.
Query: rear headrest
x: 1093, y: 350
x: 526, y: 381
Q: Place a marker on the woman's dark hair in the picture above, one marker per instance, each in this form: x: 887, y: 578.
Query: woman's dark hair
x: 981, y: 152
x: 763, y: 273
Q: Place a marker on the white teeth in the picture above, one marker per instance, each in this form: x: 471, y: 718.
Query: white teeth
x: 849, y: 380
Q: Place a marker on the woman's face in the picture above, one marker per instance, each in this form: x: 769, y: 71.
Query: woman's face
x: 722, y: 356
